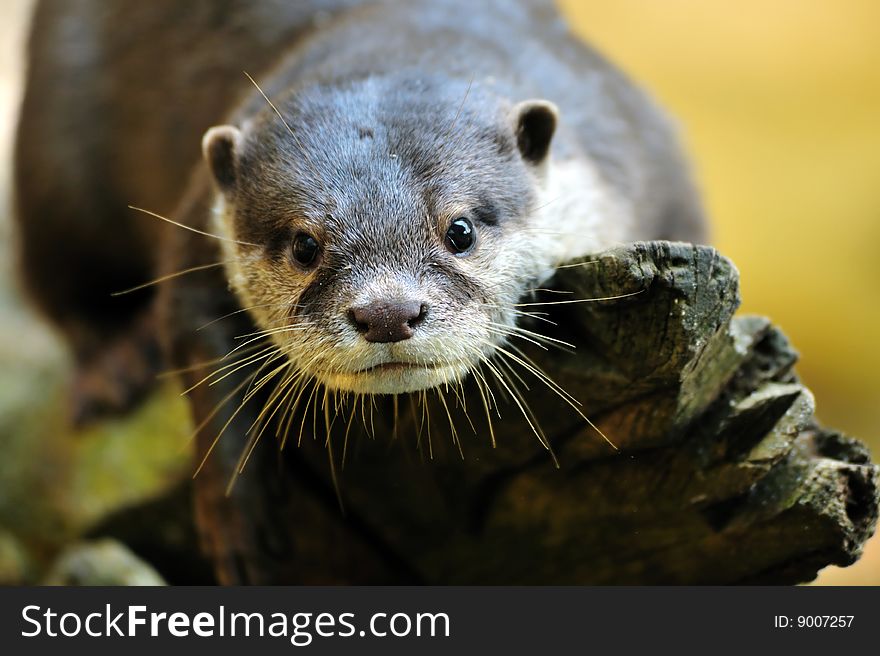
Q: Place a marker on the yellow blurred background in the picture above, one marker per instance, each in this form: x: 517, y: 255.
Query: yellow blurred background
x: 779, y: 105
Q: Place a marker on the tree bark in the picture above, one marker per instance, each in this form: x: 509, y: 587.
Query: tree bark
x: 720, y: 474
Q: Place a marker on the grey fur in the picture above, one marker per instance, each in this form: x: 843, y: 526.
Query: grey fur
x: 405, y: 115
x: 378, y: 134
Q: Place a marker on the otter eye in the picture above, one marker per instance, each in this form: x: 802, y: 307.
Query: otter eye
x: 460, y: 237
x: 305, y: 249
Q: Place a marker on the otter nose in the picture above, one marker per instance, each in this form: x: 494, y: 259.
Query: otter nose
x: 388, y: 321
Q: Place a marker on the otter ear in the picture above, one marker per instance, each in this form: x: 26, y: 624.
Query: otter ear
x: 534, y: 123
x: 219, y: 147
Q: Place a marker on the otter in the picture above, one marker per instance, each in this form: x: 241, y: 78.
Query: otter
x: 362, y: 192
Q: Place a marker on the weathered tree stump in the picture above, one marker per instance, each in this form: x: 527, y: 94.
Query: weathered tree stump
x: 722, y: 474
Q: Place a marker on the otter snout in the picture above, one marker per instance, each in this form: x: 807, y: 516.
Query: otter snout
x: 388, y: 321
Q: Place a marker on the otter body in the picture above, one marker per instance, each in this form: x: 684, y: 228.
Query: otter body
x: 371, y: 208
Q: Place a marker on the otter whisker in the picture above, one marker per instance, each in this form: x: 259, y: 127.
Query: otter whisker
x: 191, y: 229
x: 268, y: 332
x: 291, y: 386
x: 292, y: 410
x: 467, y: 92
x: 518, y: 397
x: 257, y: 338
x: 287, y: 384
x: 293, y: 134
x: 455, y: 438
x: 577, y: 264
x: 239, y: 311
x: 364, y: 415
x: 329, y: 445
x: 412, y: 413
x: 347, y: 431
x: 539, y: 316
x: 302, y: 425
x: 287, y: 401
x: 394, y: 425
x: 507, y: 332
x: 541, y: 341
x: 426, y: 423
x: 219, y: 406
x: 515, y: 374
x: 568, y: 398
x: 256, y: 434
x: 324, y: 401
x: 270, y: 355
x: 255, y: 387
x: 492, y: 403
x: 236, y: 365
x: 315, y: 416
x: 302, y: 379
x: 372, y: 408
x: 522, y: 405
x: 547, y: 204
x: 584, y: 300
x: 549, y: 291
x: 480, y: 381
x: 170, y: 276
x: 531, y: 336
x: 248, y: 396
x: 458, y: 389
x: 196, y: 366
x: 248, y: 380
x: 540, y: 375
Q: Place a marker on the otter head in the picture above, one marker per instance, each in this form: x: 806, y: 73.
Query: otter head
x: 382, y: 232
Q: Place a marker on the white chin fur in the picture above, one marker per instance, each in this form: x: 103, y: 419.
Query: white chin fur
x: 398, y: 381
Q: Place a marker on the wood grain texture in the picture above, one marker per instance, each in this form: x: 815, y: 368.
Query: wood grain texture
x: 723, y: 474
